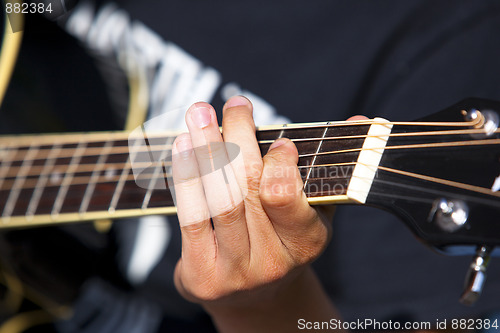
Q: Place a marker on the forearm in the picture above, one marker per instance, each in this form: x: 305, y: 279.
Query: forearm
x: 302, y: 298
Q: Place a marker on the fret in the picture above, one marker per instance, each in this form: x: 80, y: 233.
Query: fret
x: 105, y: 186
x: 68, y: 177
x: 282, y: 132
x: 94, y: 178
x: 315, y: 156
x: 19, y: 181
x: 87, y: 176
x: 156, y: 172
x: 8, y: 155
x: 124, y: 175
x: 42, y: 181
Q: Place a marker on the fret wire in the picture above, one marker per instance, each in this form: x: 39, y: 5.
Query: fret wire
x: 281, y: 132
x: 99, y: 166
x: 314, y: 158
x: 42, y: 181
x: 61, y: 194
x: 152, y: 182
x: 124, y: 150
x: 18, y: 185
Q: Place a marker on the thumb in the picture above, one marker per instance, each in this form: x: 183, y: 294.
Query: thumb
x: 297, y: 224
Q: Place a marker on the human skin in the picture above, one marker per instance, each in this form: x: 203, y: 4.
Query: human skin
x: 249, y: 235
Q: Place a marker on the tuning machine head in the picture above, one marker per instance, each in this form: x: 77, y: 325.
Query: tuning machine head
x: 476, y: 275
x: 486, y: 120
x: 449, y: 215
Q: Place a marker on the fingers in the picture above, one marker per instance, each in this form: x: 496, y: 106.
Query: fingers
x: 357, y: 117
x: 193, y: 213
x: 222, y: 193
x: 239, y: 128
x: 284, y: 201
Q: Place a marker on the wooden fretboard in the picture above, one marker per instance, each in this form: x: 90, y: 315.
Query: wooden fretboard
x: 74, y: 177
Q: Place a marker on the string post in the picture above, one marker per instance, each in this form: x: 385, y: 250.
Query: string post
x: 449, y: 215
x: 487, y: 120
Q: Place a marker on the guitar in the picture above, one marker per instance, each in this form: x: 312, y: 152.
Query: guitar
x: 440, y: 175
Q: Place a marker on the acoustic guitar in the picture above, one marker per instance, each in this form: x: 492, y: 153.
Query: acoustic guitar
x: 440, y: 175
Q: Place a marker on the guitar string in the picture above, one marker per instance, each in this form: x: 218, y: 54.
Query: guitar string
x: 103, y: 179
x: 94, y: 151
x: 440, y: 193
x: 115, y: 136
x: 426, y: 145
x: 464, y: 186
x: 453, y: 184
x: 116, y: 166
x: 423, y: 189
x: 440, y: 144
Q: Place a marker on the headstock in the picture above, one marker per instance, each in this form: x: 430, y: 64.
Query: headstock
x: 441, y: 175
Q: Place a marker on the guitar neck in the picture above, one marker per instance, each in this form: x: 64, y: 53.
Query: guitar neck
x: 46, y: 179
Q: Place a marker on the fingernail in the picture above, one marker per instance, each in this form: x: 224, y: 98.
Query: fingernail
x: 277, y: 143
x: 184, y: 147
x: 237, y: 101
x: 201, y: 117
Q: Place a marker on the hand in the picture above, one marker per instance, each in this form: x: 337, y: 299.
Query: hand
x: 248, y: 233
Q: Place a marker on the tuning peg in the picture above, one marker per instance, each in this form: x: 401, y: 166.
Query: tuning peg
x: 476, y: 276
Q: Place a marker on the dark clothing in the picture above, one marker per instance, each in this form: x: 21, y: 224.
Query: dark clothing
x: 312, y: 61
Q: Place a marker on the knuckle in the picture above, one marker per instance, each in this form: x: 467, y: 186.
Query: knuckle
x: 253, y: 169
x: 277, y: 268
x: 203, y: 291
x: 253, y: 185
x: 188, y: 181
x: 308, y: 246
x: 181, y: 137
x: 252, y: 176
x: 196, y: 230
x: 228, y: 214
x: 279, y: 195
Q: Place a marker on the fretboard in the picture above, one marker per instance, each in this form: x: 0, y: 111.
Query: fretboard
x: 74, y: 177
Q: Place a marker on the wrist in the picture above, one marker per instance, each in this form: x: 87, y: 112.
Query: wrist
x: 276, y: 308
